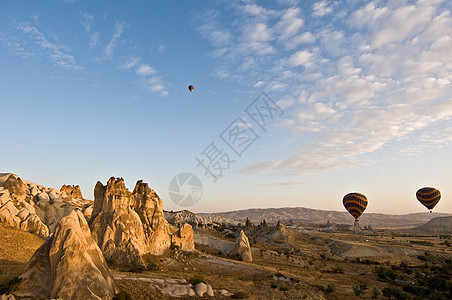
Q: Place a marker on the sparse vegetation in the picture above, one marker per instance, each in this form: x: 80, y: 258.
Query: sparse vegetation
x: 424, y: 243
x: 386, y: 273
x: 283, y: 288
x: 239, y: 295
x: 359, y: 289
x: 123, y: 295
x: 195, y: 279
x: 393, y: 292
x: 339, y: 270
x: 331, y: 288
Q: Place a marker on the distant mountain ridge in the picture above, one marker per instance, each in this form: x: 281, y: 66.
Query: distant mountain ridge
x: 316, y: 216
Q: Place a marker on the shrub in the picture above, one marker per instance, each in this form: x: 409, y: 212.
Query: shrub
x: 330, y: 288
x: 384, y: 273
x: 152, y: 266
x: 195, y: 279
x: 273, y: 285
x: 359, y: 289
x: 239, y: 295
x: 393, y: 292
x: 416, y: 290
x: 283, y: 288
x: 375, y: 293
x: 123, y: 295
x: 339, y: 270
x: 436, y: 283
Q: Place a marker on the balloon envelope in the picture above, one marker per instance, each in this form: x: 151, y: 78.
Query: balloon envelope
x: 428, y: 196
x: 355, y: 204
x: 191, y: 88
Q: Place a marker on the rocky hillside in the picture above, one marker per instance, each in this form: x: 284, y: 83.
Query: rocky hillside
x: 36, y: 208
x: 301, y: 214
x: 440, y: 224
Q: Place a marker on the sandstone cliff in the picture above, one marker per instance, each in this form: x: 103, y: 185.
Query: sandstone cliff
x: 69, y: 265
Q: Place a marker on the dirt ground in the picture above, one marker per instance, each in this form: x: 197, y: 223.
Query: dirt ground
x: 16, y: 249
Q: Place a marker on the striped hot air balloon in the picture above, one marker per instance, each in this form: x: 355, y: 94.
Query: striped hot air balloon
x: 428, y: 196
x: 355, y: 204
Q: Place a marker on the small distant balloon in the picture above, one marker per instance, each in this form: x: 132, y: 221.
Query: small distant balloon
x: 191, y: 88
x: 428, y: 196
x: 355, y: 204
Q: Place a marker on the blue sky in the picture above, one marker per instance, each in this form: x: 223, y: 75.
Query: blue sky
x: 361, y: 95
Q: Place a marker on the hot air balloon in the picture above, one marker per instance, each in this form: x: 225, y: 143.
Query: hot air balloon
x: 191, y: 88
x: 428, y: 196
x: 355, y: 204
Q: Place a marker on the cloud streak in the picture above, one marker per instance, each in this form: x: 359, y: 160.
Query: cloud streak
x: 57, y: 53
x: 117, y: 32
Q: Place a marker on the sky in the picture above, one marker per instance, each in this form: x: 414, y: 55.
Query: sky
x: 296, y: 103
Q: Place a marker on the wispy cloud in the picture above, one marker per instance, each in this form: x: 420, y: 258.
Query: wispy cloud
x: 59, y: 54
x: 357, y: 85
x: 148, y: 76
x: 321, y: 8
x: 117, y: 32
x: 145, y: 70
x: 86, y: 21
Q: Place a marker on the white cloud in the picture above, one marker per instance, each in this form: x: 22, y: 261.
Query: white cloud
x: 117, y: 32
x: 370, y: 80
x: 289, y: 24
x: 321, y: 8
x: 302, y: 57
x: 144, y: 70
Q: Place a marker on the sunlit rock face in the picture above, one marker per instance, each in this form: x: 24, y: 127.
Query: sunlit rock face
x: 127, y: 225
x: 242, y: 249
x: 72, y: 191
x: 69, y: 265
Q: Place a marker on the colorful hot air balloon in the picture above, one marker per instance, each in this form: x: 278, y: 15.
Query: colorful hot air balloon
x: 428, y: 196
x: 191, y: 88
x: 355, y: 204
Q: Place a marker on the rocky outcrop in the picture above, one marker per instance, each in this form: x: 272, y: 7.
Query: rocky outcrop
x: 15, y: 186
x: 37, y: 209
x: 242, y: 249
x: 69, y: 265
x: 72, y: 191
x: 183, y: 238
x: 127, y: 225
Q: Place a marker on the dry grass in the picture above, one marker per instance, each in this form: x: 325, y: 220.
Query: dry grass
x: 16, y: 249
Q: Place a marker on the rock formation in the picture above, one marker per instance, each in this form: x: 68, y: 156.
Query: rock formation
x: 69, y: 265
x: 33, y: 207
x: 242, y: 249
x: 127, y: 225
x: 183, y: 238
x: 72, y: 191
